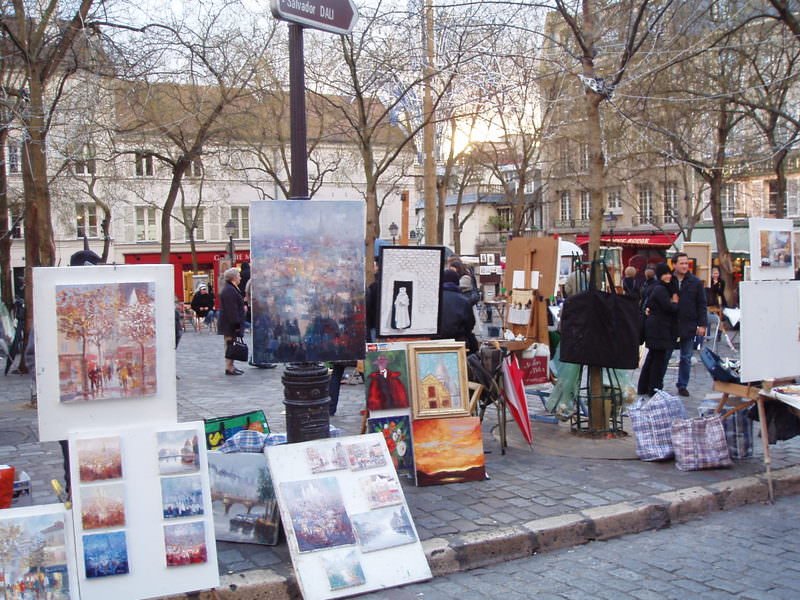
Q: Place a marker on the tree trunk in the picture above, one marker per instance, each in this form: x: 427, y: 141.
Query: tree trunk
x: 372, y: 229
x: 715, y: 183
x: 39, y: 244
x: 6, y: 275
x: 779, y: 167
x: 105, y: 226
x: 428, y: 142
x: 166, y: 216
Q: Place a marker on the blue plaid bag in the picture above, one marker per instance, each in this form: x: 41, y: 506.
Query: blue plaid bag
x: 700, y: 443
x: 652, y: 420
x: 738, y: 430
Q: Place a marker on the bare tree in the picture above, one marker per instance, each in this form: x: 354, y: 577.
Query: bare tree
x: 45, y: 36
x: 202, y: 85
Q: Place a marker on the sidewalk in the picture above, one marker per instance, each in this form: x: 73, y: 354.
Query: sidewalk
x: 534, y: 502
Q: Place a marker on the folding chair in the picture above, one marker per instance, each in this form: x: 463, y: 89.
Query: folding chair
x: 712, y: 331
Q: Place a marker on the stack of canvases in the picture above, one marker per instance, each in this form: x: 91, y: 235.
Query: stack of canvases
x: 417, y: 398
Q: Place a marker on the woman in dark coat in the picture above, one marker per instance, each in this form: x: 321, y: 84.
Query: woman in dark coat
x: 231, y: 314
x: 660, y: 332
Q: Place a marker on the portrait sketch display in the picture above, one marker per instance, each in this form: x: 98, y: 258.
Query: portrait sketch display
x: 243, y: 498
x: 386, y: 378
x: 105, y: 347
x: 771, y: 249
x: 35, y: 542
x: 106, y: 340
x: 448, y: 450
x: 349, y: 531
x: 410, y: 290
x: 439, y: 380
x: 307, y: 280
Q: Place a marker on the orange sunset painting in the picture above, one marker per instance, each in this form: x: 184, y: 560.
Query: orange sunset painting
x: 448, y: 450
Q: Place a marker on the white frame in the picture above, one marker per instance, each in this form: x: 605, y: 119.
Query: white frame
x: 148, y: 574
x: 426, y: 274
x: 757, y: 272
x: 56, y: 419
x: 770, y: 321
x: 383, y: 568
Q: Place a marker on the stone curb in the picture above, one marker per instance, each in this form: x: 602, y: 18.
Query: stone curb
x: 480, y: 549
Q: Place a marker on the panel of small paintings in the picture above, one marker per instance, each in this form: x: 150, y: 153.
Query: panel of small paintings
x: 348, y: 527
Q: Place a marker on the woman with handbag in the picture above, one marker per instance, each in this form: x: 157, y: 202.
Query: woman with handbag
x: 660, y: 332
x: 231, y: 319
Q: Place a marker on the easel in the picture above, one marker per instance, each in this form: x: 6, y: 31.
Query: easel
x: 750, y: 395
x: 527, y: 255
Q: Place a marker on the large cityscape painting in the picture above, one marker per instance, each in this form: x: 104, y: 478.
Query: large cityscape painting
x: 308, y: 280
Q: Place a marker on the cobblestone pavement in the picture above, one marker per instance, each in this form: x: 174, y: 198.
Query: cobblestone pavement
x: 524, y: 485
x: 750, y: 554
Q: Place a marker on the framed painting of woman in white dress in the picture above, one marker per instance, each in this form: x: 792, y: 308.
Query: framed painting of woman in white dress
x: 410, y: 290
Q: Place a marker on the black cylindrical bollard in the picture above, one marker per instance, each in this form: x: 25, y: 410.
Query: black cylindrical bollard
x: 305, y: 392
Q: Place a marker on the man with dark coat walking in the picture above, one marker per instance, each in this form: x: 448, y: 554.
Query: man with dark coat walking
x: 692, y: 317
x: 458, y: 318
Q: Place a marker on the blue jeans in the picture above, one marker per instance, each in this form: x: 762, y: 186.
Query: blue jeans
x: 686, y: 347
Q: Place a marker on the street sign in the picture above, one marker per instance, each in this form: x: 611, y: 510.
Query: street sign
x: 336, y: 16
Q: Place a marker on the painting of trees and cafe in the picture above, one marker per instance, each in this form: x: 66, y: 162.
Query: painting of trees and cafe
x: 106, y: 341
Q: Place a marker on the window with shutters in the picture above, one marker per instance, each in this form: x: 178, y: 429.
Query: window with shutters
x: 645, y: 203
x: 727, y: 200
x: 86, y: 222
x: 586, y: 205
x: 144, y: 164
x: 145, y: 224
x: 670, y: 201
x: 565, y: 205
x: 13, y: 158
x: 85, y: 162
x: 199, y: 229
x: 241, y: 218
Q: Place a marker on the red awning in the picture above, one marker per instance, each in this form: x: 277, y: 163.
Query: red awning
x: 639, y: 240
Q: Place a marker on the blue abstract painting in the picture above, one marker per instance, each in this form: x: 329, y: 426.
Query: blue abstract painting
x: 308, y: 280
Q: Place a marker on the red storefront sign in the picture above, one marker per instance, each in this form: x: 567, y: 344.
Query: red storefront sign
x: 182, y: 261
x: 641, y: 240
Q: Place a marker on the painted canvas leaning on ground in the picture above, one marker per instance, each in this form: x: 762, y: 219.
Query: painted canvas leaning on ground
x: 34, y: 543
x: 106, y: 340
x: 243, y: 498
x: 308, y: 280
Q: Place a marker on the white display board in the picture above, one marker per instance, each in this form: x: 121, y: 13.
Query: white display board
x: 770, y: 329
x: 105, y: 347
x: 141, y: 499
x: 347, y: 523
x: 771, y: 253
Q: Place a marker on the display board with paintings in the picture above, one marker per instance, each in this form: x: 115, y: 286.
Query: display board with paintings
x: 142, y: 511
x: 307, y: 280
x: 771, y: 250
x: 410, y: 291
x: 36, y: 559
x: 347, y: 524
x: 105, y: 347
x: 243, y: 498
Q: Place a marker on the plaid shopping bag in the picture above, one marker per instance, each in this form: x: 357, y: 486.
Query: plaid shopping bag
x: 652, y: 420
x: 738, y: 429
x: 700, y: 443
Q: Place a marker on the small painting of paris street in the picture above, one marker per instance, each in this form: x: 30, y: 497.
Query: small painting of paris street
x: 106, y: 341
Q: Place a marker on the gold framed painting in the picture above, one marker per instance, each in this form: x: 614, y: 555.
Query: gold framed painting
x: 438, y: 376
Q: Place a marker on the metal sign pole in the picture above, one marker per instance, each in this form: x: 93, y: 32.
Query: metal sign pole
x: 298, y: 189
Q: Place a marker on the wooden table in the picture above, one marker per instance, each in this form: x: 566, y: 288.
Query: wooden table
x: 749, y: 395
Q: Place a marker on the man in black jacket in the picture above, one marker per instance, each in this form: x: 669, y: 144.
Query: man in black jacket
x: 692, y: 317
x: 458, y: 318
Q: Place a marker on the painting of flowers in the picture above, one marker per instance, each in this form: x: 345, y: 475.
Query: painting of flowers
x: 448, y: 450
x: 396, y: 432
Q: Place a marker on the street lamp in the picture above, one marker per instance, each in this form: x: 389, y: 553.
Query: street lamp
x: 230, y: 229
x: 393, y: 230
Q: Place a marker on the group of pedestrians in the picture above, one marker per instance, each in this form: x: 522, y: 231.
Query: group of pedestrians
x: 674, y: 312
